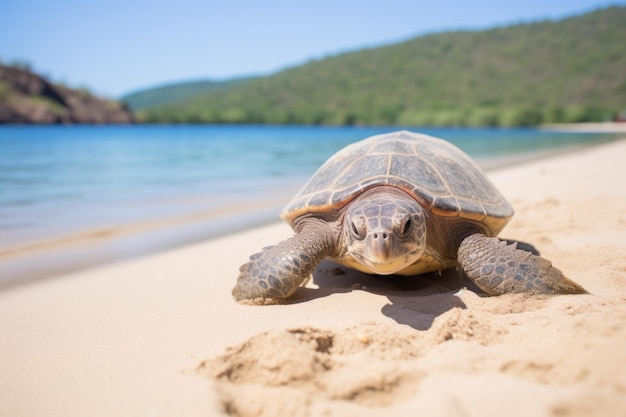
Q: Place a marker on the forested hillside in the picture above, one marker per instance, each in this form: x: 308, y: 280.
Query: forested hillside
x: 172, y: 93
x: 565, y: 71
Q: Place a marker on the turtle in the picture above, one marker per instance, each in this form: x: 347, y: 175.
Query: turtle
x: 400, y: 203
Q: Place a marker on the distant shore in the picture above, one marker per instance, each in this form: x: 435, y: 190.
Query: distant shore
x: 604, y: 127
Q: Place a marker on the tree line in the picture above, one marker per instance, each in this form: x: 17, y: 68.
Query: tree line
x: 572, y: 70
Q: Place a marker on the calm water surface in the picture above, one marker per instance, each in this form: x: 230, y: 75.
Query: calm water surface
x: 60, y: 180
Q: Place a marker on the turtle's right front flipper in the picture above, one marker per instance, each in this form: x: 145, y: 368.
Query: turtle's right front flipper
x: 277, y: 271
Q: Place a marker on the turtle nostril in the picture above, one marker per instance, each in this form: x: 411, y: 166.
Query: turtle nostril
x: 384, y: 235
x: 375, y: 235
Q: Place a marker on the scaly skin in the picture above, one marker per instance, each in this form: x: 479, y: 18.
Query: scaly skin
x: 498, y: 268
x: 277, y: 271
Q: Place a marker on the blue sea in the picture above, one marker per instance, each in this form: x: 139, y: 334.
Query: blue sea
x: 62, y: 181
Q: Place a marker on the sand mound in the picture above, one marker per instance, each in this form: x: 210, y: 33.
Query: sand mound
x: 372, y: 366
x: 263, y: 376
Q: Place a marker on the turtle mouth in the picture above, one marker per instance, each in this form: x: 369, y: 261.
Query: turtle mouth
x: 388, y: 266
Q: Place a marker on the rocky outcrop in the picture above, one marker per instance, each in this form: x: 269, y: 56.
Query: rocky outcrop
x: 27, y: 98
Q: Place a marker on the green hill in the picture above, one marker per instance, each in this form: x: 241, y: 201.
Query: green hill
x: 550, y: 71
x: 173, y: 93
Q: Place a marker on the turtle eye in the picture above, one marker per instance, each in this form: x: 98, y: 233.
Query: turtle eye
x: 356, y: 232
x: 408, y: 226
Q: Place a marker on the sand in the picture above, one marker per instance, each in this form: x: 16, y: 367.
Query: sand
x: 603, y: 127
x: 161, y: 335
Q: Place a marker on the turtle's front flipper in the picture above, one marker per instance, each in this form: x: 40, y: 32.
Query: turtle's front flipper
x: 277, y: 271
x: 498, y: 268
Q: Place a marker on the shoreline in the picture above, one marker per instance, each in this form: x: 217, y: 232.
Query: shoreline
x: 601, y: 127
x: 96, y: 247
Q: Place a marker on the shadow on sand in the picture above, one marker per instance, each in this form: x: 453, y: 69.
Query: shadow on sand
x: 413, y: 301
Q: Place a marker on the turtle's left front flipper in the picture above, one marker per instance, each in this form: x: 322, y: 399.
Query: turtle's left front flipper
x: 498, y: 268
x: 277, y: 271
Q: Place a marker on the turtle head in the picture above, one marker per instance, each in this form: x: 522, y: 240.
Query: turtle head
x: 385, y: 232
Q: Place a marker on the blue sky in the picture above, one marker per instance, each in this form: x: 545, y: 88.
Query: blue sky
x: 116, y: 46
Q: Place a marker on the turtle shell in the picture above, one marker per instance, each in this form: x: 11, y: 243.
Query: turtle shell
x: 441, y: 178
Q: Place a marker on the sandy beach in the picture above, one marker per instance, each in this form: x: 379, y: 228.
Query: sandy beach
x: 601, y: 127
x: 161, y: 335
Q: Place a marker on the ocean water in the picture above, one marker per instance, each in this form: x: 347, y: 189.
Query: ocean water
x: 57, y: 181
